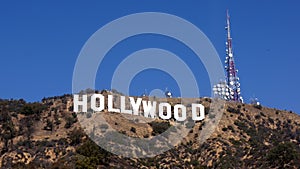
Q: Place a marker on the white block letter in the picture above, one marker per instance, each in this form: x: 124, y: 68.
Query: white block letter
x: 135, y: 105
x: 123, y: 106
x: 161, y: 111
x: 149, y: 109
x: 77, y: 103
x: 110, y: 104
x: 195, y: 114
x: 93, y: 102
x: 183, y: 112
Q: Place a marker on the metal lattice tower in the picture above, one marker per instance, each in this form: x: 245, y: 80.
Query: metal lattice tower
x: 222, y: 91
x: 232, y: 79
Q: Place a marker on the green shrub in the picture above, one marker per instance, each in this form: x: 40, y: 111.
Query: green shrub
x: 257, y: 116
x: 32, y: 108
x: 133, y: 130
x: 233, y: 110
x: 49, y: 125
x: 76, y: 136
x: 283, y: 154
x: 231, y: 128
x: 257, y: 106
x: 91, y: 155
x: 70, y: 120
x: 159, y: 127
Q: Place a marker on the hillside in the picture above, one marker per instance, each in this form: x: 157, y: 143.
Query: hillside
x: 48, y: 135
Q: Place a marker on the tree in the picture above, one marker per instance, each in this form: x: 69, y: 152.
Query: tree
x: 283, y: 154
x: 49, y: 125
x: 8, y: 131
x: 91, y: 155
x: 76, y: 136
x: 26, y: 125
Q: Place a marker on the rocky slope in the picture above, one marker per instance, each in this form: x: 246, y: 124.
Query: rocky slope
x: 48, y: 135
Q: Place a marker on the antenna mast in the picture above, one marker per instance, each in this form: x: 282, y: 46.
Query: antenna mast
x: 232, y: 79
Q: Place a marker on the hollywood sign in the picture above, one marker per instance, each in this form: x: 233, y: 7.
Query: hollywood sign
x: 97, y: 104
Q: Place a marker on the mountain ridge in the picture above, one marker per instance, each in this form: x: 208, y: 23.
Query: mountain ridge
x: 48, y: 135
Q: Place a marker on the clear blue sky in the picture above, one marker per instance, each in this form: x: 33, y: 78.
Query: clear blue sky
x: 40, y: 41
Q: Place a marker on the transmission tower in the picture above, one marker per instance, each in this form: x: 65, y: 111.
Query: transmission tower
x: 230, y: 88
x: 232, y: 79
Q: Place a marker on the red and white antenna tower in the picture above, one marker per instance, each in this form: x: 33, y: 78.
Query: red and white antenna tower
x: 232, y: 79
